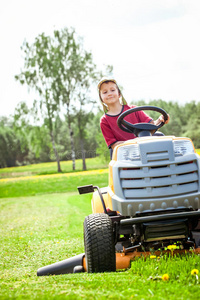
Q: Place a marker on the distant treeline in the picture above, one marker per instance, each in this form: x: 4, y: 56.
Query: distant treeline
x: 22, y: 143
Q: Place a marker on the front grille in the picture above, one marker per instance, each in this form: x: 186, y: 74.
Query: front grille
x: 159, y: 181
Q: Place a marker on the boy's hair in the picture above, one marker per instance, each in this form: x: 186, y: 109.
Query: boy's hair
x: 106, y: 80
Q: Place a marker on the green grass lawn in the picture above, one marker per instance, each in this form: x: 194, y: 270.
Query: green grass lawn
x: 41, y: 222
x: 51, y: 168
x: 40, y: 230
x: 57, y: 183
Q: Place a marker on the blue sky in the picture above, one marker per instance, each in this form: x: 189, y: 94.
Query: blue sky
x: 153, y: 45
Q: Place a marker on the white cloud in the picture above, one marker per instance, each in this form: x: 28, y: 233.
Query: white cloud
x: 153, y: 45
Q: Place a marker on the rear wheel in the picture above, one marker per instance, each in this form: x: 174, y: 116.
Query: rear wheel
x: 99, y: 243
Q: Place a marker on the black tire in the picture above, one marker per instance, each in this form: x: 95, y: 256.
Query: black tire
x: 99, y: 243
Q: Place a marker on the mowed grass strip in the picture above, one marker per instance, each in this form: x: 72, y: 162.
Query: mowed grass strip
x: 51, y: 168
x: 40, y: 230
x: 57, y: 183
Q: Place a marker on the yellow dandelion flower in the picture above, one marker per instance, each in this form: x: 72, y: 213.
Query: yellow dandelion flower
x: 171, y: 247
x: 165, y: 277
x: 194, y: 272
x: 152, y: 256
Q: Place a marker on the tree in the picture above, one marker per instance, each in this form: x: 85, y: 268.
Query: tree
x: 33, y: 139
x: 57, y: 68
x: 192, y: 128
x: 22, y: 128
x: 10, y: 147
x: 13, y: 145
x: 38, y: 74
x: 78, y: 72
x: 95, y: 132
x: 82, y: 118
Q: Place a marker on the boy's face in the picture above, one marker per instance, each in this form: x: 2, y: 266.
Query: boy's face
x: 109, y: 93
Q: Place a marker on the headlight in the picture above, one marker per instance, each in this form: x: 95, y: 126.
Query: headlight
x: 129, y: 152
x: 182, y: 147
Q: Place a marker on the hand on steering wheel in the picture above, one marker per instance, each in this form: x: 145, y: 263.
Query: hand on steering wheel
x: 141, y: 129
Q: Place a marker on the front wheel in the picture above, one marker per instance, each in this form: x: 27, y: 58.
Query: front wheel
x: 99, y: 243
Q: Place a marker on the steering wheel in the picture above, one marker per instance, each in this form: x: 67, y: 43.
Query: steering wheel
x: 140, y: 129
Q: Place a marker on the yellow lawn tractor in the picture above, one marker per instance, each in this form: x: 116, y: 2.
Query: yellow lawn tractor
x: 152, y: 201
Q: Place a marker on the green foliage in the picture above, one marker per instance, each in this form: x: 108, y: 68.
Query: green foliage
x: 102, y: 149
x: 193, y: 131
x: 13, y: 143
x: 192, y: 126
x: 9, y: 147
x: 183, y: 119
x: 95, y: 131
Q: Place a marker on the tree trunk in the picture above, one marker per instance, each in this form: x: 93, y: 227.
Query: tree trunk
x: 71, y: 139
x: 55, y: 151
x: 83, y: 154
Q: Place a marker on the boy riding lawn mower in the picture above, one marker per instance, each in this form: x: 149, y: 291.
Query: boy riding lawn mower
x: 152, y: 201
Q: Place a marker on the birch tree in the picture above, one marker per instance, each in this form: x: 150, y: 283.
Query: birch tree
x: 56, y: 67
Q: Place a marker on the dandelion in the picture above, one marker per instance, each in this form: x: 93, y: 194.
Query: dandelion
x: 194, y: 272
x: 171, y: 247
x: 165, y: 277
x: 152, y: 256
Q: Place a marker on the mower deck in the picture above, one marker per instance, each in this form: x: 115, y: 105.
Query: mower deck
x: 123, y: 260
